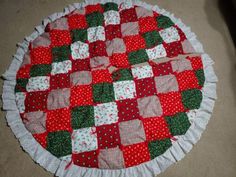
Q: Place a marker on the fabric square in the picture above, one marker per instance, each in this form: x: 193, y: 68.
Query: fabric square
x: 58, y: 119
x: 169, y: 35
x: 59, y: 143
x: 156, y: 128
x: 60, y: 37
x: 200, y: 77
x: 60, y: 81
x: 135, y: 42
x: 108, y: 136
x: 81, y: 65
x: 136, y: 154
x: 111, y: 158
x: 122, y: 75
x: 84, y: 140
x: 124, y: 90
x: 152, y: 39
x: 61, y: 67
x: 110, y: 6
x: 162, y: 69
x: 40, y: 55
x: 81, y: 95
x: 20, y: 101
x: 181, y: 65
x: 61, y: 53
x: 156, y: 52
x: 140, y: 72
x: 39, y: 83
x: 173, y: 49
x: 119, y: 60
x: 131, y: 28
x: 79, y: 35
x: 132, y: 132
x: 40, y: 70
x: 128, y: 15
x: 43, y: 40
x: 178, y: 124
x: 113, y: 31
x: 99, y: 76
x: 59, y: 98
x: 77, y: 21
x: 81, y: 78
x: 21, y: 85
x: 95, y: 19
x: 137, y: 57
x: 103, y: 92
x: 96, y: 34
x: 24, y: 71
x: 171, y: 103
x: 111, y: 17
x: 147, y: 24
x: 187, y: 47
x: 164, y: 22
x: 166, y: 83
x: 79, y: 50
x: 116, y: 45
x: 41, y: 138
x: 196, y: 62
x: 105, y: 113
x: 35, y: 122
x: 187, y: 80
x: 99, y: 62
x: 93, y: 8
x: 97, y: 48
x: 125, y: 5
x: 143, y: 12
x: 149, y: 106
x: 158, y: 147
x: 86, y: 159
x: 82, y: 117
x: 36, y: 101
x: 59, y: 24
x: 192, y: 98
x: 145, y: 87
x: 128, y: 109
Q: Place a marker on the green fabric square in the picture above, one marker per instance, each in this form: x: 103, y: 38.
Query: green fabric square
x: 200, y: 76
x: 82, y: 117
x: 110, y: 6
x: 103, y: 93
x: 164, y: 22
x: 158, y: 147
x: 61, y: 53
x: 79, y: 35
x: 152, y: 38
x: 21, y: 85
x: 191, y: 98
x: 138, y: 56
x: 122, y: 74
x: 40, y: 70
x: 178, y: 124
x: 95, y: 19
x: 59, y: 143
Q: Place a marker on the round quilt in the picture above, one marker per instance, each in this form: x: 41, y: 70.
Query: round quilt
x: 107, y: 86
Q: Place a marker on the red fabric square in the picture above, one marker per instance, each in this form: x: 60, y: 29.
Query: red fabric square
x: 113, y: 31
x: 81, y: 65
x: 128, y: 110
x: 147, y: 24
x: 196, y: 62
x: 77, y: 21
x: 119, y: 60
x: 41, y: 138
x: 181, y: 33
x: 108, y: 136
x: 173, y: 49
x: 93, y: 8
x: 40, y: 55
x: 97, y: 48
x: 136, y: 154
x: 81, y: 95
x: 23, y: 72
x: 60, y: 81
x: 134, y: 43
x: 171, y: 103
x: 156, y: 128
x: 145, y: 87
x: 187, y: 80
x: 86, y: 159
x: 128, y: 15
x: 36, y: 101
x: 102, y: 75
x: 162, y: 69
x: 60, y: 38
x: 58, y: 119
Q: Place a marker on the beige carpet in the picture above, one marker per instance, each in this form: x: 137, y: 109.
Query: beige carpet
x: 213, y: 156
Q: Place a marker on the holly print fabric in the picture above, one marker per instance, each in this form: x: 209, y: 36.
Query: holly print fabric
x: 109, y: 86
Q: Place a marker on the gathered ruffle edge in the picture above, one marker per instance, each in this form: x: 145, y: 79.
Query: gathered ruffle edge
x: 176, y: 152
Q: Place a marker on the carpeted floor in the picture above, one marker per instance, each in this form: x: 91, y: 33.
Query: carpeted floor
x: 213, y: 156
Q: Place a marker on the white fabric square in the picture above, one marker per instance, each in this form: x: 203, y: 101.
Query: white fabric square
x: 96, y: 34
x: 20, y: 101
x: 166, y: 83
x: 124, y: 90
x: 169, y: 34
x: 105, y: 113
x: 38, y: 83
x: 84, y: 140
x: 112, y: 17
x: 126, y: 5
x: 61, y: 67
x: 79, y: 50
x: 140, y: 72
x: 156, y: 52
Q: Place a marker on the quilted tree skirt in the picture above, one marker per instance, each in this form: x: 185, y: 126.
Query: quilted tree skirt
x: 109, y: 89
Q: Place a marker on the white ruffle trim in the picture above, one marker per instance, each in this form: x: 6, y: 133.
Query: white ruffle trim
x: 149, y: 169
